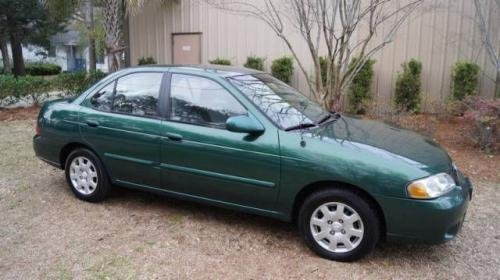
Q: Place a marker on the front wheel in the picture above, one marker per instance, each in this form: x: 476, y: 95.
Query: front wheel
x: 86, y: 176
x: 339, y: 225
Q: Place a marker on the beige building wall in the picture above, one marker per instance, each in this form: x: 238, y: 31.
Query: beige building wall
x: 438, y: 34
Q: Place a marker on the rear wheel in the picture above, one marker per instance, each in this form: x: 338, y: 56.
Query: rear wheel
x: 338, y: 224
x: 86, y: 176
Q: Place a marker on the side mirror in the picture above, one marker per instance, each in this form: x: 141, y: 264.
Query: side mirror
x: 244, y: 124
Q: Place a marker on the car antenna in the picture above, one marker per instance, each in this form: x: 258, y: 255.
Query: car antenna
x: 302, y: 131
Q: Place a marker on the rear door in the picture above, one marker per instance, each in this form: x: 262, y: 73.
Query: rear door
x: 122, y: 123
x: 200, y: 157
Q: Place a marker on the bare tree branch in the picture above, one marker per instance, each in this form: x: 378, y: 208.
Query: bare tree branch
x: 487, y: 34
x: 345, y: 27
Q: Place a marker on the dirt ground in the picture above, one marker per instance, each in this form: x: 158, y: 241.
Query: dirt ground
x: 20, y: 113
x: 45, y: 232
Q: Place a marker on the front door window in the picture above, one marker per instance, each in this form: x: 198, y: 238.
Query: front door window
x: 201, y: 101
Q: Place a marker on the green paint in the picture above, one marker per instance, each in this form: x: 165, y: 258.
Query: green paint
x: 264, y: 172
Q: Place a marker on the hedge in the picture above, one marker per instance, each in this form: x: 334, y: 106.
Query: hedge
x: 359, y: 94
x: 220, y: 61
x: 465, y: 79
x: 282, y: 68
x: 42, y: 69
x: 408, y: 86
x: 255, y: 62
x: 14, y: 88
x: 146, y: 61
x: 73, y: 83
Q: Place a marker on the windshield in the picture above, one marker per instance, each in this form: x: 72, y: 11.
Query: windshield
x: 280, y: 102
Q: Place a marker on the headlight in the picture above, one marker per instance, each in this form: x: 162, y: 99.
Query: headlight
x: 431, y: 187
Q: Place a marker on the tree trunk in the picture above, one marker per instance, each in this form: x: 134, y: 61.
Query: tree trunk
x: 112, y: 62
x: 5, y: 55
x: 92, y: 55
x: 497, y: 84
x: 336, y: 100
x: 112, y: 29
x: 89, y: 18
x: 17, y: 55
x: 126, y: 35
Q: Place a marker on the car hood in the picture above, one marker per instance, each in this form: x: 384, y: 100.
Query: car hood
x: 385, y: 141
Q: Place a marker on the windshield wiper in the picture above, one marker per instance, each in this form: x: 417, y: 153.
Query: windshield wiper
x: 324, y: 118
x: 328, y: 116
x: 300, y: 126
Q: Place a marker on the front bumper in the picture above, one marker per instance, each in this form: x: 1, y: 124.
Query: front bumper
x: 431, y: 221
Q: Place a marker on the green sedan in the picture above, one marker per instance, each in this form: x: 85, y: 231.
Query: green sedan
x: 241, y: 139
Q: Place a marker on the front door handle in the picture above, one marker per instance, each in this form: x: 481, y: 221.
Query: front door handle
x: 173, y: 136
x: 92, y: 123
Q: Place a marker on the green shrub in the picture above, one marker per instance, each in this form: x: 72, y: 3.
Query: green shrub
x: 282, y: 68
x: 12, y: 89
x: 74, y: 83
x: 8, y: 89
x: 220, y: 61
x: 36, y: 88
x: 408, y: 85
x: 146, y: 61
x: 94, y: 77
x: 323, y: 69
x: 464, y: 79
x: 71, y: 83
x: 255, y: 62
x: 42, y: 69
x: 359, y: 93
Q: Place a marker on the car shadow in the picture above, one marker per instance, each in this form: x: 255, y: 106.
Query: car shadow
x: 196, y: 211
x: 202, y: 213
x: 141, y: 205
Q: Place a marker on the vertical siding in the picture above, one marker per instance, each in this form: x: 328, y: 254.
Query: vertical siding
x: 438, y: 35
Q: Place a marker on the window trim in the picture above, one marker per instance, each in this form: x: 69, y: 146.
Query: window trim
x: 161, y: 94
x: 169, y: 105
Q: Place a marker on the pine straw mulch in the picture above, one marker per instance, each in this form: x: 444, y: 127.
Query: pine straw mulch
x: 20, y: 113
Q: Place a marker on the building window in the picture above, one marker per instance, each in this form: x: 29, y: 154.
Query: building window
x: 52, y: 51
x: 100, y: 58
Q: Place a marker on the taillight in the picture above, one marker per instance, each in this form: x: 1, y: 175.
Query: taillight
x: 38, y: 130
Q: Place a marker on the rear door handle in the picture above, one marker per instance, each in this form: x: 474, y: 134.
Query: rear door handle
x: 92, y: 123
x: 173, y: 136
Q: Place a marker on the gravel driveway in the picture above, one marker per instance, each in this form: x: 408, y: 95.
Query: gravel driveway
x: 45, y: 232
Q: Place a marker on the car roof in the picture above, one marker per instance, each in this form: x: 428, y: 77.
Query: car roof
x: 221, y: 70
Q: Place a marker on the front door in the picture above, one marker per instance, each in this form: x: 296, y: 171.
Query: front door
x: 121, y: 122
x: 200, y: 157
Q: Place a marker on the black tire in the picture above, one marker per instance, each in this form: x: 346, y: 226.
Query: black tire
x: 367, y: 212
x: 103, y: 187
